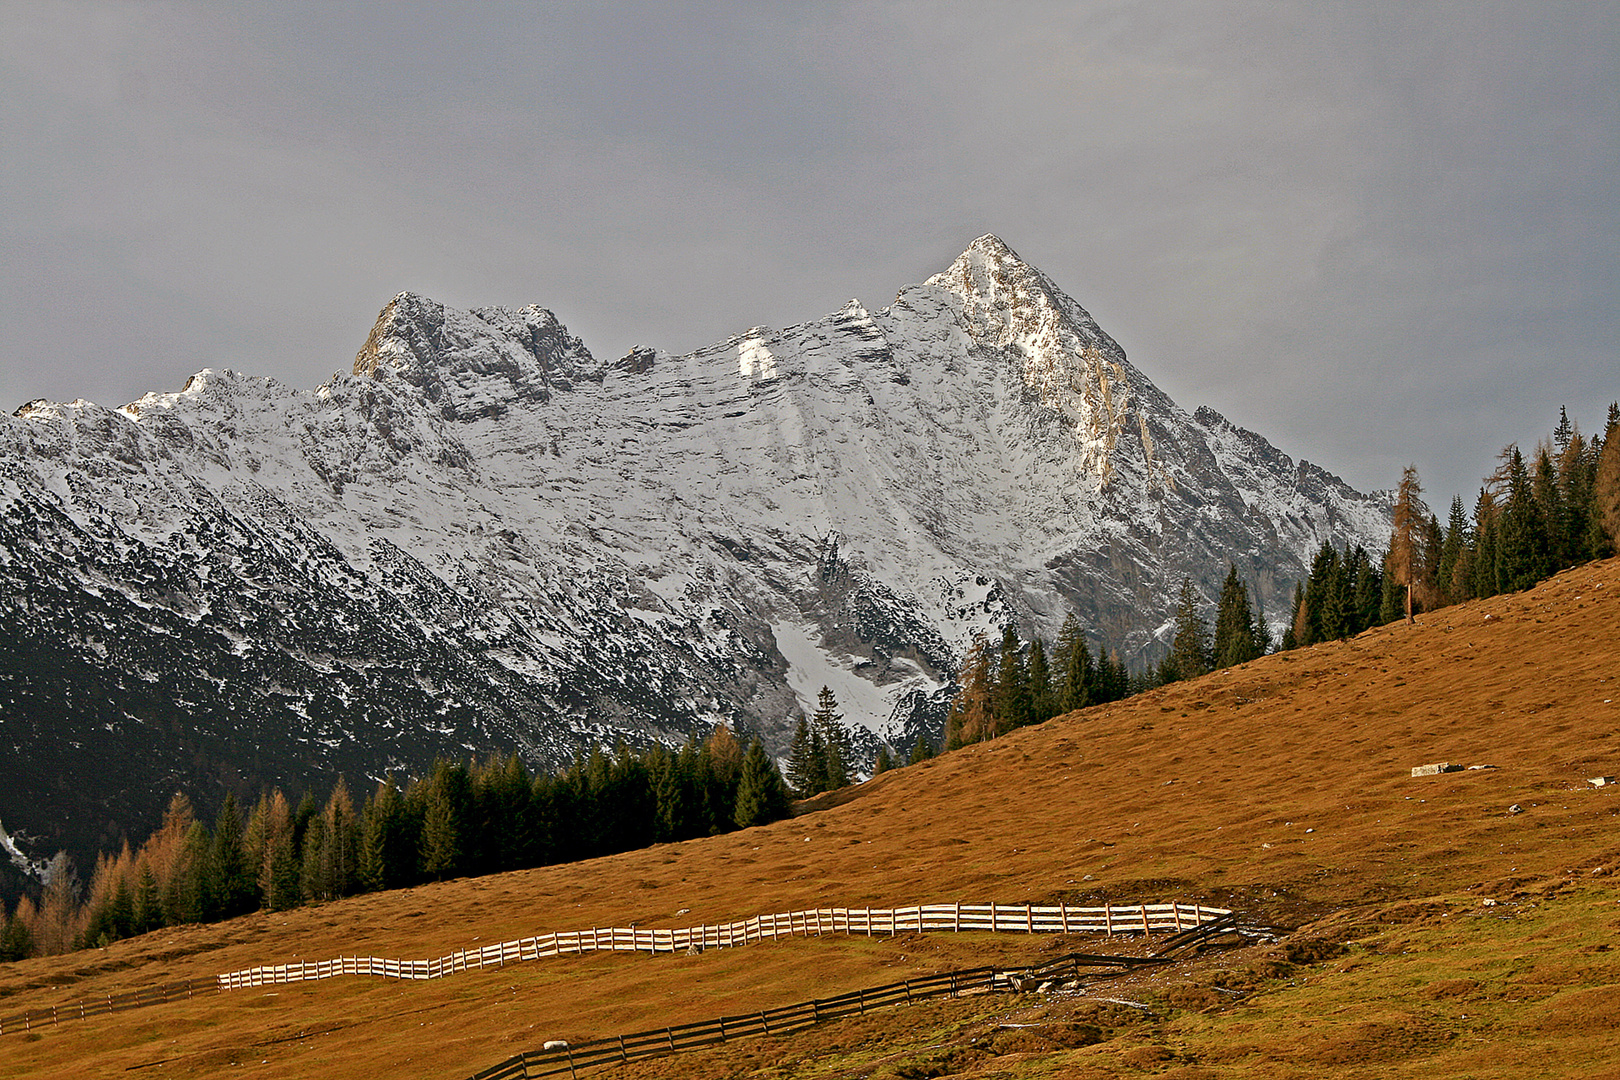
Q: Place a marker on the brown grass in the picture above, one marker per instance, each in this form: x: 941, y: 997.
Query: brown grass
x: 1281, y: 788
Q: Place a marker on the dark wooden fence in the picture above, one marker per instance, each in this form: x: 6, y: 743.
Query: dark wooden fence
x: 52, y: 1015
x: 657, y: 1042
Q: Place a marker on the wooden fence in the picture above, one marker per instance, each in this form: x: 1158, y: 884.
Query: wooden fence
x: 657, y: 1042
x: 870, y: 922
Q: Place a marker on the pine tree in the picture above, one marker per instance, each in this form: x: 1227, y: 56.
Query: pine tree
x: 1482, y: 580
x: 1190, y: 649
x: 1522, y: 557
x: 233, y: 877
x: 441, y: 839
x: 761, y: 795
x: 17, y: 943
x: 1549, y: 497
x: 921, y: 750
x: 387, y: 848
x: 1234, y: 622
x: 1078, y: 680
x: 679, y: 800
x: 1012, y: 704
x: 1042, y: 701
x: 804, y: 771
x: 1298, y: 621
x: 829, y: 724
x: 1452, y: 568
x: 148, y: 913
x: 884, y: 761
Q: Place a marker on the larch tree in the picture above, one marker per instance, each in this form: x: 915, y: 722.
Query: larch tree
x: 1406, y: 538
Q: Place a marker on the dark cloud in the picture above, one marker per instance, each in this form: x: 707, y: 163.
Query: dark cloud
x: 1375, y: 232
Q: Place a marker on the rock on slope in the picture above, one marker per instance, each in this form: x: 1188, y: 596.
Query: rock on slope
x: 486, y: 538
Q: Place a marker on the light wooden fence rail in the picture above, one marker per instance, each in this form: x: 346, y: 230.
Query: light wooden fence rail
x: 870, y: 922
x: 928, y: 918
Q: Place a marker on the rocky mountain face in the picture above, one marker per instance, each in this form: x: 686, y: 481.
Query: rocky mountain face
x: 485, y: 538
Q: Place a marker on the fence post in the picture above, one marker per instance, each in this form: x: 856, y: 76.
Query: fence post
x: 1108, y: 919
x: 765, y: 1023
x: 1145, y: 928
x: 1063, y: 912
x: 1029, y: 917
x: 957, y: 929
x: 670, y: 1034
x: 624, y: 1055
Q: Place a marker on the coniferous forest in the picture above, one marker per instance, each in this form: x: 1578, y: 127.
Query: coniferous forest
x: 460, y: 820
x: 1533, y: 517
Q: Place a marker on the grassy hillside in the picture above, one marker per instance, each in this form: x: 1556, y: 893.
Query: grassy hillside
x: 1281, y: 789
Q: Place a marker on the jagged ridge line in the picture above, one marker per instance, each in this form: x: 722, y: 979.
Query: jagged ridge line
x: 947, y: 918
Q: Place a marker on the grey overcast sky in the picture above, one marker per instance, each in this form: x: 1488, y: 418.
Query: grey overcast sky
x: 1374, y: 232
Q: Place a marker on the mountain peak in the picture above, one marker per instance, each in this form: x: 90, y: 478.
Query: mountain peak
x: 474, y: 363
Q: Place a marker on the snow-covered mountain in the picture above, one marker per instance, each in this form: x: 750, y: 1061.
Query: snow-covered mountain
x: 486, y: 538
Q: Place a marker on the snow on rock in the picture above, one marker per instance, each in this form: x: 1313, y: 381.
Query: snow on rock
x: 482, y: 536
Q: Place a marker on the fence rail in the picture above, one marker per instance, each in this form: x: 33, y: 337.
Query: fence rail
x: 659, y: 1042
x: 871, y: 922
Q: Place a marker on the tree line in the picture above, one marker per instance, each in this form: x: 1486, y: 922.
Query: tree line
x: 459, y: 820
x: 1532, y: 518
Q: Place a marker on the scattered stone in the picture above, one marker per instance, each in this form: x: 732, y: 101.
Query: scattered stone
x: 1474, y: 768
x: 1515, y: 809
x: 694, y: 950
x: 1601, y: 781
x: 1436, y: 769
x: 1599, y: 871
x: 1487, y: 902
x: 556, y: 1044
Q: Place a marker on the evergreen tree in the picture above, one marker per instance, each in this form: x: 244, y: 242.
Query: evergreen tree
x: 233, y: 877
x: 1522, y: 558
x: 310, y: 857
x: 1452, y: 569
x: 921, y: 750
x: 1042, y: 701
x: 1012, y: 704
x: 148, y: 908
x: 761, y: 795
x: 1482, y: 579
x: 387, y: 846
x: 679, y: 799
x: 1549, y: 497
x: 1078, y: 686
x: 829, y: 724
x: 441, y: 838
x: 1190, y: 649
x: 884, y: 761
x: 1234, y: 622
x: 1298, y: 621
x: 18, y: 941
x: 804, y: 769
